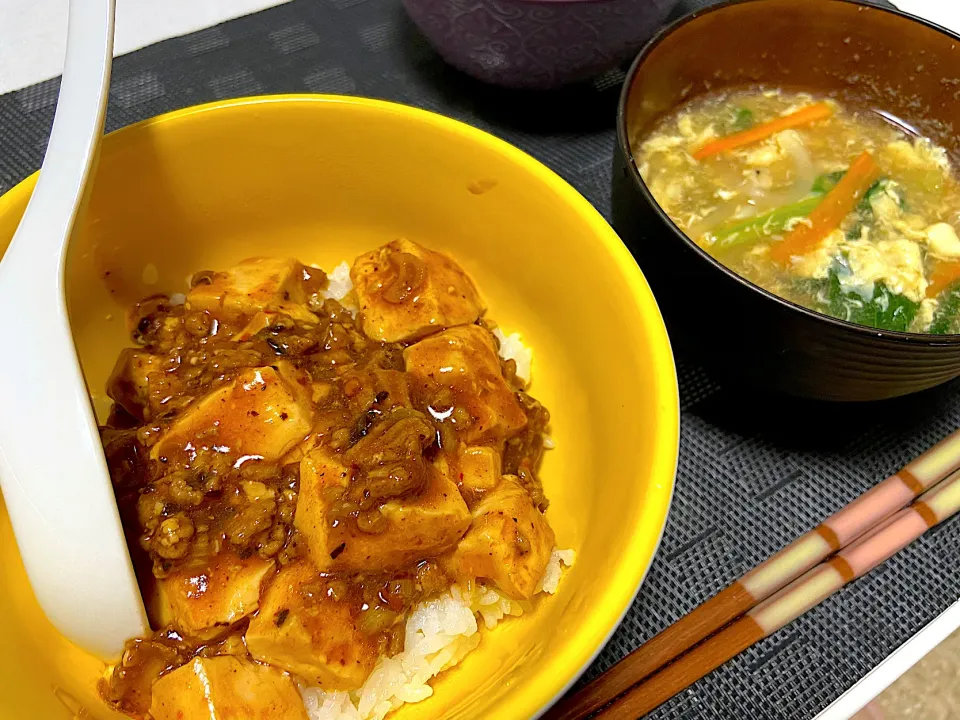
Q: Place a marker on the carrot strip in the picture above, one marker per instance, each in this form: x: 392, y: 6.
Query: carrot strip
x: 803, y: 116
x: 943, y: 276
x: 828, y: 215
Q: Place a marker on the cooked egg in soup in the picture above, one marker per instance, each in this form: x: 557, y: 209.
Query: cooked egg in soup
x: 827, y: 205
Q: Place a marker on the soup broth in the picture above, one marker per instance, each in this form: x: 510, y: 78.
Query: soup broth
x: 827, y: 205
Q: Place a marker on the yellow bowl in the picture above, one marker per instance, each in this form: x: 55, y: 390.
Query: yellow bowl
x: 325, y: 179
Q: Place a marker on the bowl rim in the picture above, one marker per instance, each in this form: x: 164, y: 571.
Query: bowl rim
x: 623, y: 146
x: 602, y: 620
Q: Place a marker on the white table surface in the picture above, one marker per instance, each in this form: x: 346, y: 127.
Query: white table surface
x: 33, y: 33
x: 32, y: 39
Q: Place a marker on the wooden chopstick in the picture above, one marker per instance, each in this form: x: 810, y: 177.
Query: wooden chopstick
x: 836, y: 532
x: 808, y: 591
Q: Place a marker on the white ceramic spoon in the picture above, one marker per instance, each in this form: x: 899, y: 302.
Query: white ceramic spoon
x: 52, y: 469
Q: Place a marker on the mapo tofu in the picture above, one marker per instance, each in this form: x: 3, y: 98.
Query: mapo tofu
x: 298, y: 480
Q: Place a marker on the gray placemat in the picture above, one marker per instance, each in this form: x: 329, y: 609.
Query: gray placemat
x: 754, y: 473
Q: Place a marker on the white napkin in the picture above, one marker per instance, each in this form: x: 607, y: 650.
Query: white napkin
x: 33, y: 33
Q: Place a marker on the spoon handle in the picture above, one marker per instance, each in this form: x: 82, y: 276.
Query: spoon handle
x: 52, y: 471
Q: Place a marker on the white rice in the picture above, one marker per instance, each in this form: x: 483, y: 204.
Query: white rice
x: 439, y: 634
x: 340, y: 287
x: 512, y: 348
x: 551, y: 576
x: 339, y: 284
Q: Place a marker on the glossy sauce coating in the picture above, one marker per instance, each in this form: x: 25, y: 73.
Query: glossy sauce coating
x: 292, y: 479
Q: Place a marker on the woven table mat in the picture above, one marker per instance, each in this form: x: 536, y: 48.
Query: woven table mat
x: 754, y: 473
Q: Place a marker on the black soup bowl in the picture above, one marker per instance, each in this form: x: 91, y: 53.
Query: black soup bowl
x: 856, y: 52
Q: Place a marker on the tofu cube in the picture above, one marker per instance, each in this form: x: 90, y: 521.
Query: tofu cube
x: 260, y: 321
x: 263, y: 413
x: 310, y: 634
x: 465, y: 360
x: 509, y: 542
x: 478, y: 469
x: 226, y: 688
x: 225, y: 590
x: 414, y: 527
x: 407, y: 292
x: 323, y: 478
x: 252, y: 286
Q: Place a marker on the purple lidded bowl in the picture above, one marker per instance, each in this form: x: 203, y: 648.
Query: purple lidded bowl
x: 538, y: 44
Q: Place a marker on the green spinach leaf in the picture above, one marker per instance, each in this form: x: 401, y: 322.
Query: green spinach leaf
x: 825, y: 183
x: 742, y: 120
x: 885, y: 310
x: 944, y: 319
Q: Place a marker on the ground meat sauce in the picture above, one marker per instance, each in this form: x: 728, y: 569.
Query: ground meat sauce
x: 182, y: 511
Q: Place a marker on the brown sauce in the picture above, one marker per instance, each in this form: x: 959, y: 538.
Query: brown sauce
x: 194, y: 504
